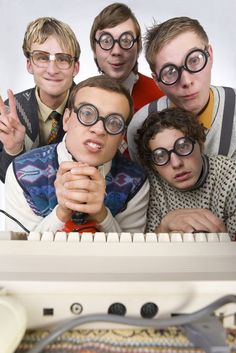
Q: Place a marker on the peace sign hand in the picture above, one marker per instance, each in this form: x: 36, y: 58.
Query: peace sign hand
x: 12, y: 132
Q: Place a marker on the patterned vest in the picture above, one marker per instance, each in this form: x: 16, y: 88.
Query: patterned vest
x: 36, y: 172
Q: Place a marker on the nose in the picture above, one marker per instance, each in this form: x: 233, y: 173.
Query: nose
x: 186, y: 78
x: 98, y: 128
x: 52, y: 67
x: 116, y: 50
x: 176, y: 161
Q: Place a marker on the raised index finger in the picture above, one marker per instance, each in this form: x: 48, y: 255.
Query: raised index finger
x: 12, y: 104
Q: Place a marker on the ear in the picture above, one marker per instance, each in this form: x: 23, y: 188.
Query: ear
x: 76, y: 68
x: 66, y: 118
x: 29, y: 67
x: 210, y: 51
x: 154, y: 76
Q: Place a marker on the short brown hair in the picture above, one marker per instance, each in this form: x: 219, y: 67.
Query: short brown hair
x: 104, y: 82
x: 111, y: 16
x: 170, y: 118
x: 159, y: 35
x: 40, y: 29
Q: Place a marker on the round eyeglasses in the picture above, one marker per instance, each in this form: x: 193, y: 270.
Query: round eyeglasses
x: 194, y: 62
x: 88, y: 115
x: 42, y: 59
x: 183, y: 146
x: 126, y: 41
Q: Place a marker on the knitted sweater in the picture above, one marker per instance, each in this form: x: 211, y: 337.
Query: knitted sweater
x: 217, y: 193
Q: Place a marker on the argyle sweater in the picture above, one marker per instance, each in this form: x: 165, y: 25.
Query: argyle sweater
x: 217, y: 193
x: 36, y: 172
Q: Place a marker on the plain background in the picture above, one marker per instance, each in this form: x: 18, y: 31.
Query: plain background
x: 217, y: 18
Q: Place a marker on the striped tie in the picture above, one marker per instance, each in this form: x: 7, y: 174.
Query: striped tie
x: 55, y: 119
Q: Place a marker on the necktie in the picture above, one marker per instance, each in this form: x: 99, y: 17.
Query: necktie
x: 55, y: 118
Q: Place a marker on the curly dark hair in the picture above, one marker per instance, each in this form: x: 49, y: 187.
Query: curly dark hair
x: 170, y: 118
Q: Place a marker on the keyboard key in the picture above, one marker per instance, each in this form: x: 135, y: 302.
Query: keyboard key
x: 163, y: 237
x: 73, y: 237
x: 212, y: 237
x: 138, y: 238
x: 34, y: 236
x: 100, y: 237
x: 113, y: 237
x: 224, y: 237
x: 86, y: 237
x: 200, y: 237
x: 125, y: 237
x: 60, y: 236
x: 188, y: 237
x: 151, y: 237
x: 47, y: 236
x: 176, y: 237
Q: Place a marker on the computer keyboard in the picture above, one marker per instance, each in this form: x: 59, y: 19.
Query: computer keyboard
x: 58, y: 276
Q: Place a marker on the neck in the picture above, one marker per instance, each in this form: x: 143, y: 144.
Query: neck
x: 50, y: 101
x: 205, y: 106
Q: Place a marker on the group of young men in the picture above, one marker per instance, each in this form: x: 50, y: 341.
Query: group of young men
x: 77, y: 160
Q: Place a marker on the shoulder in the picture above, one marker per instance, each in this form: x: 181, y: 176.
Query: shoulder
x: 122, y: 164
x: 25, y: 95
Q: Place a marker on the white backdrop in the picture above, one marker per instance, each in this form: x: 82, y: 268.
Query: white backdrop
x: 218, y: 19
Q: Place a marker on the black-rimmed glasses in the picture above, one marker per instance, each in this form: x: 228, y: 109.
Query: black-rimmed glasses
x: 126, y: 41
x: 194, y: 62
x: 183, y: 146
x: 88, y: 115
x: 42, y: 59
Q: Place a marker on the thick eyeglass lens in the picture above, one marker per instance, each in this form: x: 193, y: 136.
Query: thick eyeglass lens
x: 125, y: 41
x: 182, y: 147
x: 88, y: 115
x: 195, y: 61
x: 42, y: 59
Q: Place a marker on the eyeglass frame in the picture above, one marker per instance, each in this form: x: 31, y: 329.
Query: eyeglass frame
x: 180, y: 69
x: 116, y: 40
x: 52, y: 57
x: 99, y: 117
x: 173, y: 150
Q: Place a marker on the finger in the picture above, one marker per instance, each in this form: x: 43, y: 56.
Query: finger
x: 3, y: 110
x: 12, y: 104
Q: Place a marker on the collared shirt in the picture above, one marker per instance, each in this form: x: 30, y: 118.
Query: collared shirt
x: 44, y: 111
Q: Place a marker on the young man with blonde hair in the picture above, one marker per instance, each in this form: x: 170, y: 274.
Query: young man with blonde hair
x: 181, y: 58
x: 34, y: 117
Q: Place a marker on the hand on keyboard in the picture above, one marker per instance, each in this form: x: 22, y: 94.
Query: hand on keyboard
x: 191, y: 220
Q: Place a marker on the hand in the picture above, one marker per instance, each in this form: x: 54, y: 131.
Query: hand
x: 12, y: 132
x: 188, y: 220
x: 80, y: 187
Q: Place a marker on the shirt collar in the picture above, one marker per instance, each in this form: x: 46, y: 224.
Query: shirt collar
x: 44, y: 110
x: 130, y: 81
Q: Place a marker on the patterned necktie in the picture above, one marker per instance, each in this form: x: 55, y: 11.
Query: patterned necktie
x: 55, y: 119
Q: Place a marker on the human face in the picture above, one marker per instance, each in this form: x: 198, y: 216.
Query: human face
x: 181, y: 172
x: 53, y: 83
x: 191, y: 91
x: 92, y: 144
x: 117, y: 62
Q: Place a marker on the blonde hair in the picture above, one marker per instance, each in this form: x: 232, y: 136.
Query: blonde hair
x: 158, y: 36
x: 40, y: 29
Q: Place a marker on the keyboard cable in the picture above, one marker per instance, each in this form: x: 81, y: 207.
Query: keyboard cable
x: 15, y: 220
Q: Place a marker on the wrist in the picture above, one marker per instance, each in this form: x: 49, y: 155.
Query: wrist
x: 100, y: 216
x: 16, y: 150
x: 63, y: 214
